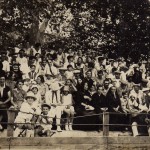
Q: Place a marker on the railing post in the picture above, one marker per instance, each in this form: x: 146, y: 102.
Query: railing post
x: 105, y: 123
x: 11, y: 118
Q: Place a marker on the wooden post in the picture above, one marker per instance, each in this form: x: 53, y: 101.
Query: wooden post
x: 105, y: 123
x: 11, y: 118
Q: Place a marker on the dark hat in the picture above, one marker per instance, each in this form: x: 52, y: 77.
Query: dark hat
x: 46, y: 105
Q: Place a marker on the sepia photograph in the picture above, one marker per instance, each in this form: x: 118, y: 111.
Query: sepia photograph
x: 75, y: 74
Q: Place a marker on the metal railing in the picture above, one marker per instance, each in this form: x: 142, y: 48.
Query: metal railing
x: 105, y: 124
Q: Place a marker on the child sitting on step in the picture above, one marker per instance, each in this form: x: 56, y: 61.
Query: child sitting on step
x: 44, y: 122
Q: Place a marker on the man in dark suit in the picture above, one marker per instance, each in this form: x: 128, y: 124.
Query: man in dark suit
x: 32, y: 74
x: 5, y: 97
x: 100, y: 104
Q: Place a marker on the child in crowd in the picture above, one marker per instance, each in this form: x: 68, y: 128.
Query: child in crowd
x: 45, y: 121
x: 67, y: 102
x: 69, y: 74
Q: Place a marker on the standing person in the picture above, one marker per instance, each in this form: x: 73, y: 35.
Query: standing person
x: 5, y: 96
x: 42, y: 87
x: 67, y: 101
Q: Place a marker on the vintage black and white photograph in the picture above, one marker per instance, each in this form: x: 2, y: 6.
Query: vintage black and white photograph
x: 75, y: 74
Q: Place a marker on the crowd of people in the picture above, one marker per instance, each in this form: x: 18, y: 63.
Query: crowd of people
x: 43, y: 85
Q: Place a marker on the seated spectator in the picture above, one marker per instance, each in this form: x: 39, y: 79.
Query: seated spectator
x: 44, y: 122
x: 25, y: 119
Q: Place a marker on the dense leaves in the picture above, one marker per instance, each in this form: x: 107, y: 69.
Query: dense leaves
x: 120, y: 26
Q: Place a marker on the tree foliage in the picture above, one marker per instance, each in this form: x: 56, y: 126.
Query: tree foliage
x: 108, y: 25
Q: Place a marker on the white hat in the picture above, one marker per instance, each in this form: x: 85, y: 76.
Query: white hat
x: 46, y: 105
x: 34, y: 86
x: 30, y: 94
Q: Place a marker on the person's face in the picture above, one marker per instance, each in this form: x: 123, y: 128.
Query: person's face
x: 106, y: 84
x: 89, y: 74
x: 50, y: 62
x: 86, y: 86
x: 125, y: 96
x: 38, y: 56
x: 38, y: 80
x: 44, y: 62
x: 113, y: 89
x: 48, y: 77
x: 100, y: 74
x: 3, y: 57
x: 117, y: 76
x: 100, y: 90
x: 71, y: 59
x: 45, y: 110
x: 92, y: 89
x: 2, y: 80
x: 20, y: 84
x: 70, y: 68
x: 79, y: 60
x: 79, y: 81
x: 32, y: 68
x: 68, y: 82
x: 69, y: 51
x: 60, y: 51
x: 136, y: 88
x: 80, y: 53
x: 30, y: 100
x: 21, y: 53
x: 132, y: 98
x: 33, y: 61
x: 34, y: 90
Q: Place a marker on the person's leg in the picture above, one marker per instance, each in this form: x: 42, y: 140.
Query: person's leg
x: 58, y: 117
x: 134, y: 129
x: 1, y: 117
x: 67, y: 112
x: 71, y: 120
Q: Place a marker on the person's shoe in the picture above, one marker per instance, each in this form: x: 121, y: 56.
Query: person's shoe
x: 66, y: 127
x: 59, y: 129
x: 70, y: 127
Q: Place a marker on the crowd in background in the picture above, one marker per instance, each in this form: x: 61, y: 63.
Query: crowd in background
x: 51, y: 83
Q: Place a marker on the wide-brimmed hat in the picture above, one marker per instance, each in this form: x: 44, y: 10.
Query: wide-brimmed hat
x: 136, y: 85
x: 46, y: 105
x: 34, y: 86
x: 30, y: 94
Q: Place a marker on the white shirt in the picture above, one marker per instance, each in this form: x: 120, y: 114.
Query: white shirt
x: 6, y: 66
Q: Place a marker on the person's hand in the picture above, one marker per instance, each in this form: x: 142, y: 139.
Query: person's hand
x: 104, y: 109
x: 68, y: 107
x: 115, y: 109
